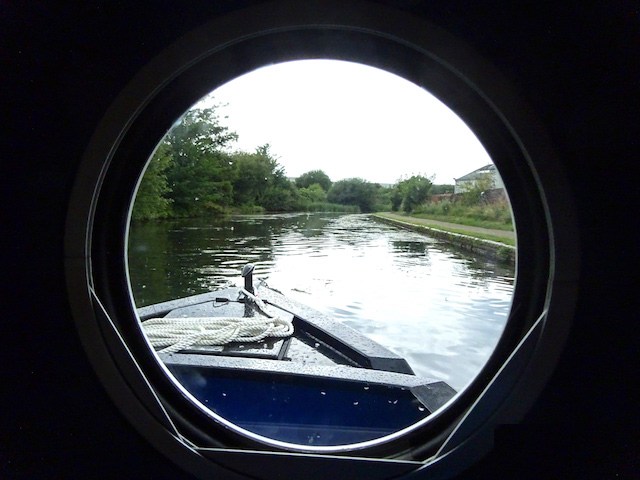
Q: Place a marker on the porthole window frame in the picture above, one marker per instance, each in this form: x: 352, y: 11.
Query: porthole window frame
x: 228, y: 47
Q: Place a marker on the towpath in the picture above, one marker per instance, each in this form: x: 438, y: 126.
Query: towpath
x: 435, y: 223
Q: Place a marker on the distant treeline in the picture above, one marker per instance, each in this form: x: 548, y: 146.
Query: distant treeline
x: 193, y: 173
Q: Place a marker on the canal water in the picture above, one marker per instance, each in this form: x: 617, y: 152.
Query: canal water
x: 442, y: 309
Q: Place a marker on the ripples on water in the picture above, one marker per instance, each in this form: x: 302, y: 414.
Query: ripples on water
x: 442, y: 310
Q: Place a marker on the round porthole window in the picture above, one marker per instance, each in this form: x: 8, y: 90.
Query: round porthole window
x: 366, y: 364
x: 210, y: 407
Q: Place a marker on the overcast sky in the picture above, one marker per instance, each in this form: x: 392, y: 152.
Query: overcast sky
x: 349, y: 120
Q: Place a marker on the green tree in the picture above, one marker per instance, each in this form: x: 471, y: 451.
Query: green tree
x: 151, y: 199
x: 415, y: 191
x: 312, y: 194
x: 410, y: 192
x: 201, y: 173
x: 472, y: 193
x: 395, y: 196
x: 260, y: 181
x: 199, y: 128
x: 202, y: 185
x: 253, y: 172
x: 281, y: 195
x: 314, y: 176
x: 354, y: 191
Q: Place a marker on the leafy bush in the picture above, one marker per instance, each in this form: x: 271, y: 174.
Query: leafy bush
x: 354, y: 191
x: 314, y: 177
x: 410, y: 193
x: 497, y: 215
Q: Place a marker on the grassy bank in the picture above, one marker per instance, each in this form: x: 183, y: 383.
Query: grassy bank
x: 423, y: 222
x: 495, y: 216
x: 482, y: 236
x: 499, y: 248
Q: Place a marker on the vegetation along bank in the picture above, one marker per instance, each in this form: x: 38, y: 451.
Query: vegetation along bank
x: 195, y: 172
x: 500, y: 247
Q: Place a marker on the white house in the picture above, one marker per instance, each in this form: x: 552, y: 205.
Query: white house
x: 467, y: 180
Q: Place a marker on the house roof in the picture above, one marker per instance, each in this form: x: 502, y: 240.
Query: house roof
x: 491, y: 168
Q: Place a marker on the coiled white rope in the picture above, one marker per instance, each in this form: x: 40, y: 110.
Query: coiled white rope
x: 174, y: 334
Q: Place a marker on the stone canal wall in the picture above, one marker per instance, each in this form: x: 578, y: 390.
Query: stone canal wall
x: 494, y: 250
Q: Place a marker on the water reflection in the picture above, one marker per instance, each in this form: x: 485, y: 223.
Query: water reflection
x: 441, y: 309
